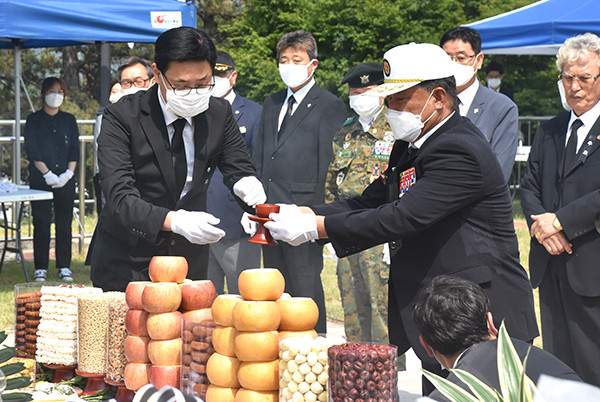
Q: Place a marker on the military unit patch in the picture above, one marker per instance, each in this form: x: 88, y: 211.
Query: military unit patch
x: 382, y: 150
x: 377, y: 170
x: 407, y: 179
x: 344, y: 154
x: 340, y: 178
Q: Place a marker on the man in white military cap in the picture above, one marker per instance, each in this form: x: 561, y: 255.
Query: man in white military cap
x: 442, y: 204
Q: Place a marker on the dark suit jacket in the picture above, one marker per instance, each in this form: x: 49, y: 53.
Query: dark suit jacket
x: 455, y: 219
x: 497, y: 117
x: 575, y: 200
x: 293, y: 168
x: 480, y: 360
x: 220, y: 201
x: 138, y: 180
x: 508, y: 92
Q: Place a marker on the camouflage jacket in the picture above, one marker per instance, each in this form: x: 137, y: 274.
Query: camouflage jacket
x: 359, y: 157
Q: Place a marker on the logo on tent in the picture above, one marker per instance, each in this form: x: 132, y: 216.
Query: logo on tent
x: 165, y: 19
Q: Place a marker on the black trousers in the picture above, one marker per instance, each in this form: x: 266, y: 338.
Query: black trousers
x: 41, y: 212
x: 301, y: 267
x: 570, y: 323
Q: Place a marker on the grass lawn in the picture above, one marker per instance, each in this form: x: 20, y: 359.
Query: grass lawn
x: 12, y: 273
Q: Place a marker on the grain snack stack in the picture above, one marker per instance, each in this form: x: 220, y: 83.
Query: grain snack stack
x: 116, y: 360
x: 57, y: 329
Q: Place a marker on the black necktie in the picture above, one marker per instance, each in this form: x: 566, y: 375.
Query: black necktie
x: 178, y: 152
x: 288, y: 114
x: 571, y: 148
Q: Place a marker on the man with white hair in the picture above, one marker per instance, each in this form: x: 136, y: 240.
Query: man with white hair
x: 560, y: 195
x: 442, y: 204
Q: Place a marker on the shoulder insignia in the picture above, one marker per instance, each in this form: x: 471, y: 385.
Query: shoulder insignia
x: 349, y: 120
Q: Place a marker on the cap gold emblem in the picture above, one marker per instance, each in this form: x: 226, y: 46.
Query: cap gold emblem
x: 386, y: 67
x: 364, y: 79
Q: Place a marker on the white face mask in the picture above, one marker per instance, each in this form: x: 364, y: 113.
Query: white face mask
x: 222, y: 87
x: 131, y: 90
x: 563, y: 96
x: 113, y: 98
x: 294, y: 75
x: 189, y: 105
x: 464, y: 73
x: 54, y: 100
x: 494, y: 82
x: 365, y: 106
x: 407, y: 126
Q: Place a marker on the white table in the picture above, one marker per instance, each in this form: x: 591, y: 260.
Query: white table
x: 23, y: 193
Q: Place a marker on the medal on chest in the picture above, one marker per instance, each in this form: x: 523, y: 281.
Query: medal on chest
x: 407, y: 179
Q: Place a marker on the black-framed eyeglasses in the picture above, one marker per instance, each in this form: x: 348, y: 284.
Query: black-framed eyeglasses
x: 139, y: 82
x: 462, y: 58
x: 183, y: 91
x: 584, y: 79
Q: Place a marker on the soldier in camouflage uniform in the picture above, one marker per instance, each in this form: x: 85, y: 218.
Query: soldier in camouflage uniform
x: 361, y: 150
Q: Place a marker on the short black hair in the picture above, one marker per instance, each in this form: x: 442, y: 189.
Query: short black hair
x: 183, y: 44
x: 300, y: 39
x: 132, y: 61
x: 465, y: 34
x: 448, y: 84
x: 451, y: 314
x: 49, y: 82
x: 494, y: 66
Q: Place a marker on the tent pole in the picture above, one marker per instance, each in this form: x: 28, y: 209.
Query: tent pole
x: 104, y: 74
x: 17, y: 130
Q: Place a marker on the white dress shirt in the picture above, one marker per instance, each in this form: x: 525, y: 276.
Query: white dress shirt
x: 588, y: 119
x: 466, y: 97
x: 299, y: 96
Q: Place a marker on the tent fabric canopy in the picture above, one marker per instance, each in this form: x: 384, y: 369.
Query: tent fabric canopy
x: 55, y: 23
x: 539, y: 28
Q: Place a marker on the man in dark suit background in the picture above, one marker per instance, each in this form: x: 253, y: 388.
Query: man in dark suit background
x: 560, y: 195
x: 443, y: 203
x: 292, y: 153
x: 233, y: 253
x: 496, y: 116
x: 458, y: 330
x: 157, y: 151
x: 494, y: 74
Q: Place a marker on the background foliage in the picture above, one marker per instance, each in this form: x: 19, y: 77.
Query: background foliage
x: 347, y: 32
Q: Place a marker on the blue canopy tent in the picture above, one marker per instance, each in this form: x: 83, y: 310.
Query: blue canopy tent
x: 539, y: 28
x: 57, y: 23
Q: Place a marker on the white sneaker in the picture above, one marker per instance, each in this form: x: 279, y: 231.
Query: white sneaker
x: 65, y: 274
x: 40, y: 275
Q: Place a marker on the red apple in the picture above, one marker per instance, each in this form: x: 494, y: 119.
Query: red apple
x: 197, y: 294
x: 136, y: 375
x: 165, y: 353
x: 198, y: 315
x: 136, y: 349
x: 163, y: 326
x: 161, y: 297
x: 133, y: 294
x: 168, y: 269
x: 135, y: 322
x: 160, y: 376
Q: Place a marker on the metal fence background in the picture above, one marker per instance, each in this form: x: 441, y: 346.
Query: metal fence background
x: 85, y: 188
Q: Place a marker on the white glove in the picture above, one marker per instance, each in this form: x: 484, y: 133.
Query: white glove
x: 63, y: 179
x: 386, y: 254
x: 196, y: 227
x: 332, y: 253
x: 248, y: 225
x: 250, y: 190
x: 293, y: 227
x: 51, y: 178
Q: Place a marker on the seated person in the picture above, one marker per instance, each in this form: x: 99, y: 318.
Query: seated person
x: 456, y: 326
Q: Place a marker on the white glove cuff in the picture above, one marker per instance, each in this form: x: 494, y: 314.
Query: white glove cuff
x: 69, y: 173
x: 49, y: 172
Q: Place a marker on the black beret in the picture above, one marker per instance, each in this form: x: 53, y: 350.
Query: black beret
x: 224, y: 61
x: 364, y: 75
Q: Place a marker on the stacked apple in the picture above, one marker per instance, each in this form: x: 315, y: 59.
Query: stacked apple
x: 153, y: 345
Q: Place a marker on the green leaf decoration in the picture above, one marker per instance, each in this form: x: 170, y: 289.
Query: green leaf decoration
x: 19, y: 382
x: 13, y: 368
x: 450, y: 390
x: 16, y: 397
x: 527, y: 387
x: 510, y: 368
x: 481, y: 390
x: 7, y: 353
x: 3, y: 336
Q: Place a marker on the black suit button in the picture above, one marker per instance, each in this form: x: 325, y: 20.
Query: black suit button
x: 272, y: 158
x: 172, y: 242
x: 393, y: 244
x: 270, y: 179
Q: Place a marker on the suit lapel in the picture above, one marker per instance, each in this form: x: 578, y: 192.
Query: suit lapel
x: 477, y: 106
x: 237, y: 108
x: 303, y: 109
x: 155, y: 129
x: 278, y: 99
x: 591, y: 143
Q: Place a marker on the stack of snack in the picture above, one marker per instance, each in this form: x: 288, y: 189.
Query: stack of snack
x: 27, y: 307
x: 154, y: 344
x: 116, y: 360
x: 57, y: 329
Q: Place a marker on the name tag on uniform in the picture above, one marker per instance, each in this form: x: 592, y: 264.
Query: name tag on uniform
x: 407, y: 179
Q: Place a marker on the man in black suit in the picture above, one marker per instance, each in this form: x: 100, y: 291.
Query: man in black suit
x: 233, y: 253
x: 560, y: 195
x: 157, y: 152
x: 458, y: 330
x: 442, y: 203
x: 292, y: 153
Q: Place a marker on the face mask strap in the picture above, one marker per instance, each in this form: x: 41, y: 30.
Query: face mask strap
x: 422, y: 110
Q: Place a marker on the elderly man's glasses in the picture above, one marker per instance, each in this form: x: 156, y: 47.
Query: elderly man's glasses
x: 183, y: 91
x: 139, y: 82
x: 584, y: 79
